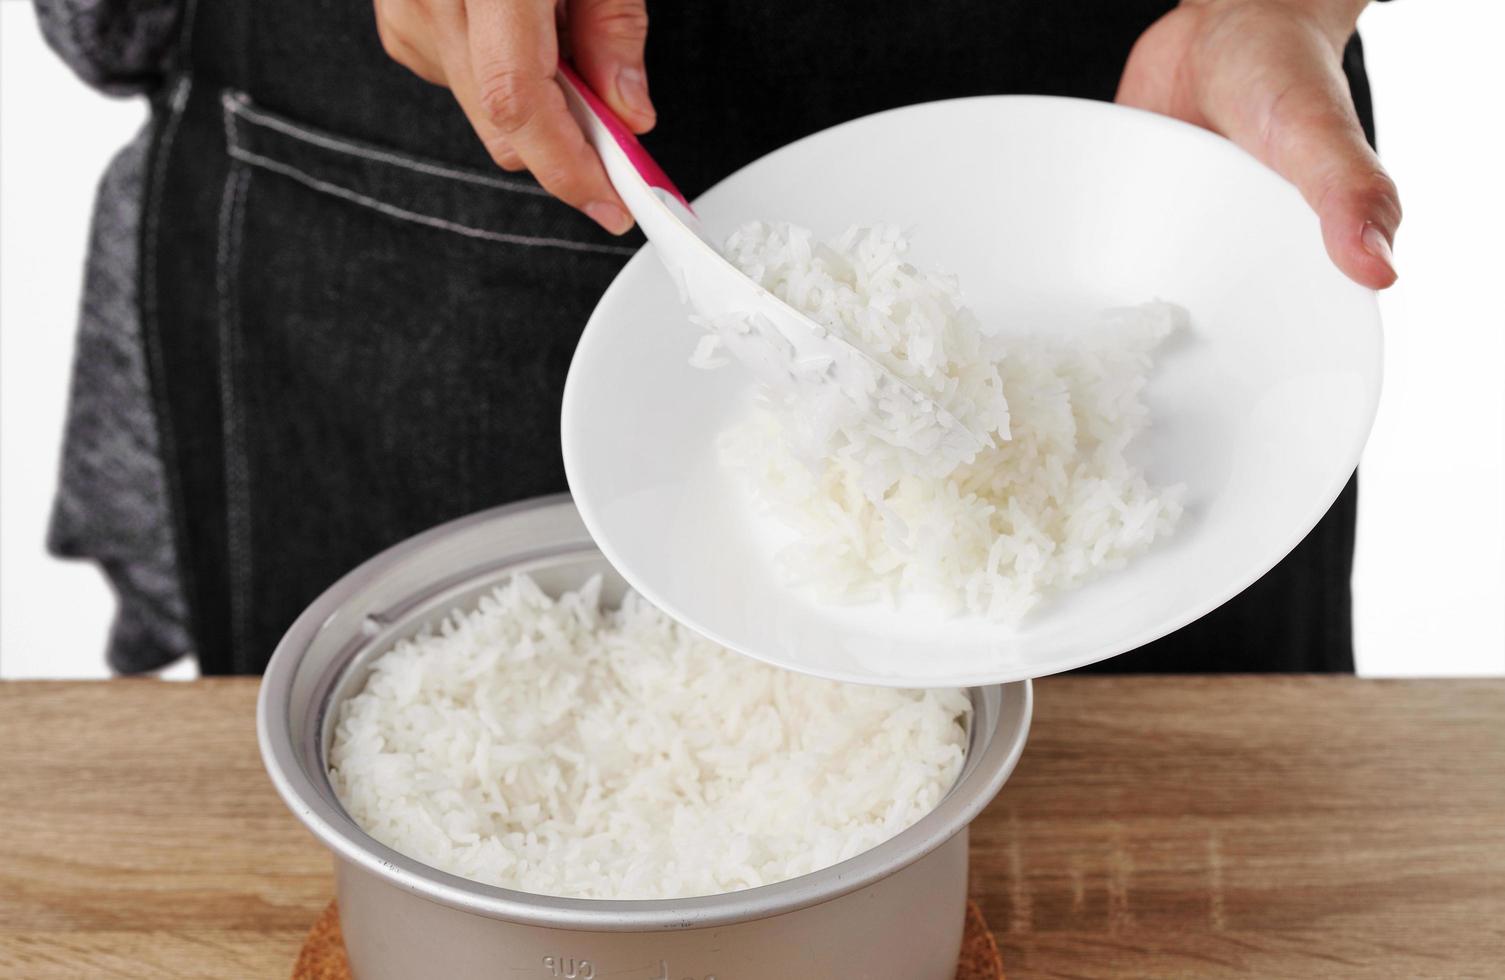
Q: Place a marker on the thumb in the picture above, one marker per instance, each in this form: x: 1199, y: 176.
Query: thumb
x: 606, y: 44
x: 1303, y: 125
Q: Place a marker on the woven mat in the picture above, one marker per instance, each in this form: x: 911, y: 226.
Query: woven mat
x: 323, y: 955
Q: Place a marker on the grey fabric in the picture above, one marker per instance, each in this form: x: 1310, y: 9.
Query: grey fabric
x: 111, y: 505
x: 111, y: 501
x: 118, y: 46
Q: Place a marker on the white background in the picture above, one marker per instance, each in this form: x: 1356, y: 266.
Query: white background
x: 1430, y: 578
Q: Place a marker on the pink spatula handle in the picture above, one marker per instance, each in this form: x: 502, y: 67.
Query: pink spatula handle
x: 653, y: 175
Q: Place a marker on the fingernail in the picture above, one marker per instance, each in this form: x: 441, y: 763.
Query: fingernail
x: 632, y: 86
x: 609, y: 216
x: 1376, y: 244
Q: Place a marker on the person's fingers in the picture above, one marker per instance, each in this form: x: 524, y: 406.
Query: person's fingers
x: 606, y: 45
x: 514, y: 52
x: 1270, y: 78
x: 1291, y: 108
x: 1314, y: 140
x: 463, y: 85
x: 429, y: 40
x: 407, y: 40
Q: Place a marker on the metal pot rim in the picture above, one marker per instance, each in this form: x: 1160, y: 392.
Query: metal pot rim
x: 991, y: 759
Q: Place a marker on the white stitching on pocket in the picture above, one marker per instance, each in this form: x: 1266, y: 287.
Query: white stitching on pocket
x: 151, y: 337
x: 237, y: 488
x: 423, y: 219
x: 185, y: 33
x: 238, y: 104
x: 391, y: 210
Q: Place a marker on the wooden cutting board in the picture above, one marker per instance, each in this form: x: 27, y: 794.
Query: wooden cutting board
x: 1216, y: 827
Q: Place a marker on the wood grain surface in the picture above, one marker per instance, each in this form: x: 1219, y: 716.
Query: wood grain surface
x: 1273, y: 827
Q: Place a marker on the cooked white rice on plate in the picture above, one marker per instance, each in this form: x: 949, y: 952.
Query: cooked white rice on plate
x: 1051, y: 501
x: 553, y: 747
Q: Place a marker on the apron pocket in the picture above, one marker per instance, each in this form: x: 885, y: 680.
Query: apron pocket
x: 493, y: 207
x: 394, y: 337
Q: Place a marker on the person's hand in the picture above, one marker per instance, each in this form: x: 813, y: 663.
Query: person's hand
x: 1268, y: 75
x: 498, y: 57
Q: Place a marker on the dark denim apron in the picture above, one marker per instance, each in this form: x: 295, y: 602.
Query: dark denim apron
x: 357, y: 327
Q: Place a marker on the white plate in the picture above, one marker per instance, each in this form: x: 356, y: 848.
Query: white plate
x: 1048, y: 209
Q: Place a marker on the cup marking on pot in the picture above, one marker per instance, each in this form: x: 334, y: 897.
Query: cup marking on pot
x: 570, y: 967
x: 579, y: 968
